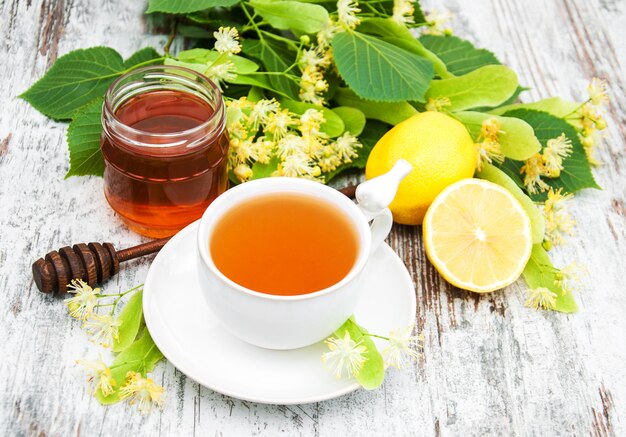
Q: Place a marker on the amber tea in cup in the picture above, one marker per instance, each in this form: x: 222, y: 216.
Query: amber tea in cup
x: 284, y: 244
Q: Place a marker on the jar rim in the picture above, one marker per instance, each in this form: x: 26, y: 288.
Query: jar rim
x: 218, y: 110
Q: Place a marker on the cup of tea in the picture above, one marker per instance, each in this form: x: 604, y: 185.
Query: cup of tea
x: 281, y: 260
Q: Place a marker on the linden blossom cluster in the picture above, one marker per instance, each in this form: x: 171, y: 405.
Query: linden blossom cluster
x: 261, y: 132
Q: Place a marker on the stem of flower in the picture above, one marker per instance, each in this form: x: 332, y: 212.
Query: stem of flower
x: 376, y: 336
x: 170, y: 39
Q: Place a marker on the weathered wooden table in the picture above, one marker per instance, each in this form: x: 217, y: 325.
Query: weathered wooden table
x: 490, y: 365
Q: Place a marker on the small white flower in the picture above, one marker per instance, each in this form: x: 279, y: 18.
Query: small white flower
x: 261, y: 111
x: 278, y: 123
x: 297, y: 164
x: 227, y: 40
x: 243, y: 172
x: 102, y: 329
x: 401, y: 348
x: 223, y: 72
x: 540, y: 298
x: 142, y: 391
x: 597, y: 91
x: 403, y: 11
x: 345, y: 357
x: 556, y: 149
x: 291, y: 144
x: 99, y: 374
x: 347, y: 10
x: 344, y: 147
x: 85, y: 298
x: 437, y: 23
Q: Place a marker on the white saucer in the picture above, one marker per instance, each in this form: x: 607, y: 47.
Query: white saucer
x: 186, y: 332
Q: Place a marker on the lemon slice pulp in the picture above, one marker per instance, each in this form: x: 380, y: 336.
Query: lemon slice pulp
x: 477, y: 235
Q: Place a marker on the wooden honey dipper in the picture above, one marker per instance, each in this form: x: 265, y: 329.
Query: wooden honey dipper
x: 95, y: 263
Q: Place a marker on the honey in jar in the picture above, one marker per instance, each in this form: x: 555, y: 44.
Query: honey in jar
x: 165, y: 148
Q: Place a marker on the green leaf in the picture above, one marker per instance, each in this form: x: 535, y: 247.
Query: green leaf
x: 539, y: 272
x: 285, y: 14
x: 497, y: 176
x: 130, y: 318
x: 489, y: 86
x: 353, y: 119
x: 259, y: 81
x: 392, y: 113
x: 141, y: 356
x: 276, y: 57
x: 459, y: 56
x: 143, y: 56
x: 372, y: 374
x: 517, y: 139
x: 576, y: 173
x: 377, y: 70
x: 185, y: 6
x: 260, y: 170
x: 373, y: 131
x: 74, y: 80
x: 333, y: 124
x: 83, y: 141
x: 189, y: 31
x: 401, y: 37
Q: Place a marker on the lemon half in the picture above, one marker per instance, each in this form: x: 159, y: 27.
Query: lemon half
x: 477, y: 235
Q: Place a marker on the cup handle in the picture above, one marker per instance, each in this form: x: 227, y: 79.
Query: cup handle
x: 380, y: 228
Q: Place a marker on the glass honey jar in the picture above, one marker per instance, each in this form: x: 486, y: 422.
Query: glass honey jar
x: 165, y: 148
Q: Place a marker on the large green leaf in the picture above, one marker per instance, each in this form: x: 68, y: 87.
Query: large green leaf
x: 517, y: 139
x: 556, y: 106
x: 286, y: 14
x: 130, y: 321
x: 83, y: 141
x: 205, y: 57
x: 380, y: 71
x: 489, y: 86
x: 576, y: 173
x: 185, y: 6
x: 276, y: 57
x: 497, y: 176
x: 539, y: 272
x: 460, y: 56
x: 74, y: 80
x: 372, y: 373
x: 392, y: 113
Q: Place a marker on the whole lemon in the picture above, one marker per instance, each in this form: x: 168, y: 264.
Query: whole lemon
x: 441, y: 151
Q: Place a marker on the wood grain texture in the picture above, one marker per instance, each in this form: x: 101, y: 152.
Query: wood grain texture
x: 490, y: 365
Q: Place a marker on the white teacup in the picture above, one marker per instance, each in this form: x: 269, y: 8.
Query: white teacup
x: 289, y: 322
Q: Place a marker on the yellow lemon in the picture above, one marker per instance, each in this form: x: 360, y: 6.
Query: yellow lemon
x: 477, y: 235
x: 441, y: 152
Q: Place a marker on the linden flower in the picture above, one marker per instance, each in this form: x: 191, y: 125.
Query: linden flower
x: 437, y: 23
x: 553, y: 154
x: 291, y: 144
x: 278, y: 123
x: 540, y: 298
x: 297, y: 164
x: 243, y: 172
x: 533, y: 169
x: 142, y: 391
x: 312, y: 85
x: 227, y: 40
x: 325, y: 35
x: 344, y: 147
x: 403, y: 11
x: 568, y: 277
x: 262, y: 110
x: 318, y: 57
x: 347, y: 10
x: 437, y: 104
x: 488, y: 151
x: 85, y: 298
x: 345, y: 357
x: 219, y: 73
x: 99, y: 374
x: 401, y: 348
x: 557, y: 219
x: 311, y: 121
x: 597, y: 90
x: 103, y: 330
